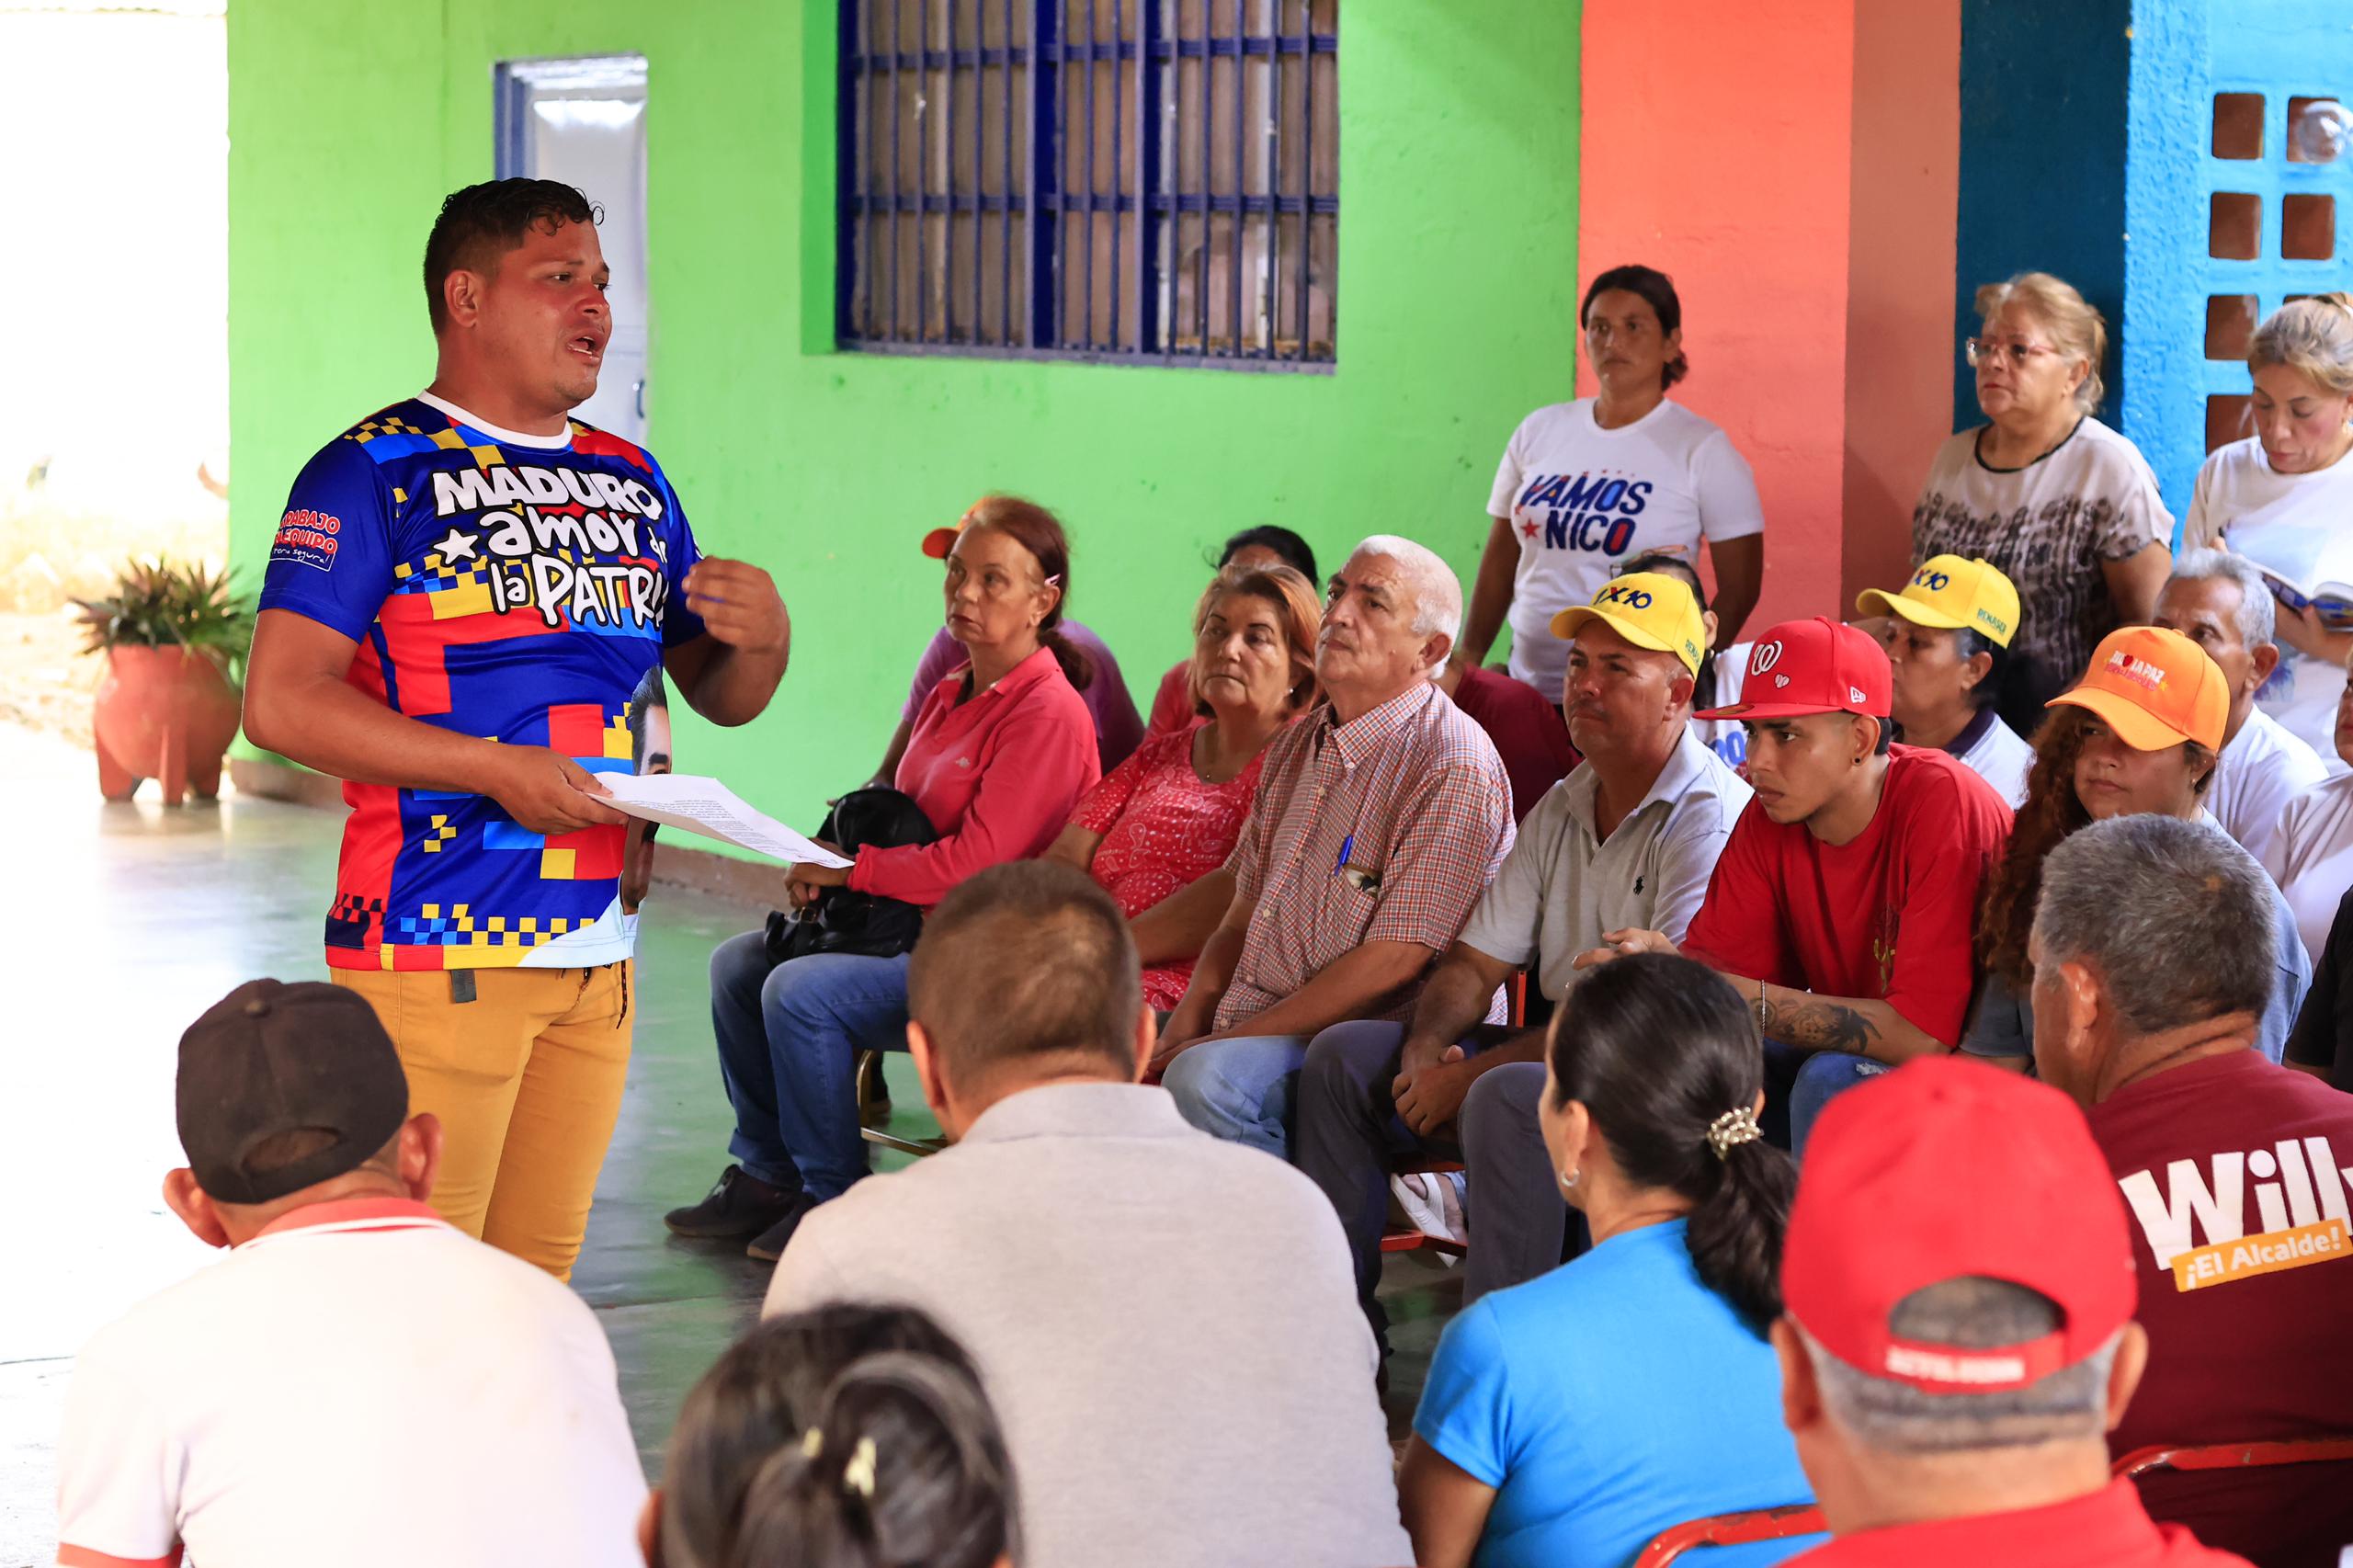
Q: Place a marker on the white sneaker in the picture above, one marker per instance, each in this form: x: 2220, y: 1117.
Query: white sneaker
x: 1433, y: 1203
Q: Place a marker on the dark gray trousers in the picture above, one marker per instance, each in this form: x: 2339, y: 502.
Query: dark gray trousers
x: 1349, y: 1136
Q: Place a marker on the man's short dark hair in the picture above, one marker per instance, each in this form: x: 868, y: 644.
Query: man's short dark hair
x: 1022, y: 962
x: 482, y: 222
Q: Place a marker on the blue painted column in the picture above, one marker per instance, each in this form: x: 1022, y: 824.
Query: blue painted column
x: 2044, y: 89
x: 2268, y: 55
x: 2092, y: 148
x: 2168, y: 133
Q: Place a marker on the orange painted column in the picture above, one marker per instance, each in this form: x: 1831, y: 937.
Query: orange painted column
x: 1905, y: 187
x: 1792, y: 167
x: 1714, y: 148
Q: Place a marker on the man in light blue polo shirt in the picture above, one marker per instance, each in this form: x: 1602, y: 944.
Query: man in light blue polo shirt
x: 1629, y: 838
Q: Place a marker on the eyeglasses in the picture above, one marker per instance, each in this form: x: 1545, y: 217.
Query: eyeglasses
x: 1978, y: 350
x: 996, y: 584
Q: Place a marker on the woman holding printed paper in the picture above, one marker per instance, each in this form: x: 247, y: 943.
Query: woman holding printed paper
x: 1001, y: 752
x: 2283, y: 498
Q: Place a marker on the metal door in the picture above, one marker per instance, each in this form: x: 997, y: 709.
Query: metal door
x: 583, y: 121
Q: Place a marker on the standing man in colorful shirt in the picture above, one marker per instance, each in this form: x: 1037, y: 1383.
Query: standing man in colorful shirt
x: 1382, y: 817
x: 465, y: 590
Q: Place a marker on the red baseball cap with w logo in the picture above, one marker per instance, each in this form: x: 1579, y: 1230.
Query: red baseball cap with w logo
x: 1812, y: 666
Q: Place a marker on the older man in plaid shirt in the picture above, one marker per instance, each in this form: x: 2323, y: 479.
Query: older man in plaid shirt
x: 1381, y: 818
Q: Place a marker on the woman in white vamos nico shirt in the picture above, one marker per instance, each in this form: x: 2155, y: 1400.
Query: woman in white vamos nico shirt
x: 2283, y: 498
x: 1584, y: 486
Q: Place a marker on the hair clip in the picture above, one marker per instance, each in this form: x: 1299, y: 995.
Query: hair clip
x: 813, y: 1443
x: 1733, y: 1129
x: 859, y: 1474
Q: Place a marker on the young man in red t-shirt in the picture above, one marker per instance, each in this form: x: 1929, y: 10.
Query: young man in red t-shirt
x: 1843, y: 903
x: 2155, y: 956
x: 1957, y: 1332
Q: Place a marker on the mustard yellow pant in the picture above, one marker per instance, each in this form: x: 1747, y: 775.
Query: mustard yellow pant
x: 527, y: 1081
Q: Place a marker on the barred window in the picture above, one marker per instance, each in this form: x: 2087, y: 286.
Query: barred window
x: 1147, y: 181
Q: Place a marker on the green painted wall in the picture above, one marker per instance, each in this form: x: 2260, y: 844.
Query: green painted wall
x: 1457, y: 283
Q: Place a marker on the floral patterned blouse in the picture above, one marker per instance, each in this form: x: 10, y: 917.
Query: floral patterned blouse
x: 2050, y: 527
x: 1163, y: 826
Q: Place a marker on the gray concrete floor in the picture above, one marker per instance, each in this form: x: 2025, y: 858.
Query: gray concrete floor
x: 127, y: 921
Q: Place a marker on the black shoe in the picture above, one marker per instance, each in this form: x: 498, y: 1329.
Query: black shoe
x: 741, y: 1205
x: 768, y: 1246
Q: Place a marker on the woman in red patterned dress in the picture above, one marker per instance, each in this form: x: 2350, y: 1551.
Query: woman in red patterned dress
x: 1169, y: 816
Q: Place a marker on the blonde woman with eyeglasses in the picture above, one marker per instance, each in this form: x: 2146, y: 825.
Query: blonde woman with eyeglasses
x: 2061, y: 505
x: 2283, y: 495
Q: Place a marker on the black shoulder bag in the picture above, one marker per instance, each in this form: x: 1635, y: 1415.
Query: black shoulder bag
x: 864, y: 924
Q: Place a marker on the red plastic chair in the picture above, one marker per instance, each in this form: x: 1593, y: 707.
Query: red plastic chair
x: 1732, y: 1530
x: 2231, y: 1456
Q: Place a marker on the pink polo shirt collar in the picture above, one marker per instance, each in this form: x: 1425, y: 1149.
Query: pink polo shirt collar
x: 1014, y: 681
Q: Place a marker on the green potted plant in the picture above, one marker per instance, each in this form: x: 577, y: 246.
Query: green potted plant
x: 174, y: 640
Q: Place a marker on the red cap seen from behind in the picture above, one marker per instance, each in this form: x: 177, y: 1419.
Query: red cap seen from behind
x: 1946, y: 1169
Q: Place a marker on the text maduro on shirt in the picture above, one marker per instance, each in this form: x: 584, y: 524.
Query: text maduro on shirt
x: 543, y: 529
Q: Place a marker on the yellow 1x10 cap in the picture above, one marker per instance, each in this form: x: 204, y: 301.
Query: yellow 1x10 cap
x: 1954, y: 593
x: 1650, y: 609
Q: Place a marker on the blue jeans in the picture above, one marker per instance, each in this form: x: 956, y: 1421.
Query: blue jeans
x: 1799, y: 1082
x: 788, y: 1037
x: 1243, y: 1090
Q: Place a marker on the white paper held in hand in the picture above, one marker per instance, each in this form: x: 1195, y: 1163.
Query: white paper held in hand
x: 707, y: 807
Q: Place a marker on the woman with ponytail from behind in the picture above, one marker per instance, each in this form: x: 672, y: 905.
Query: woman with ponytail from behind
x: 1569, y: 1420
x: 851, y: 1436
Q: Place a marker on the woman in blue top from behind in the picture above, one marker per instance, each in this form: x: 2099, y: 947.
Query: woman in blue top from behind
x: 1569, y: 1420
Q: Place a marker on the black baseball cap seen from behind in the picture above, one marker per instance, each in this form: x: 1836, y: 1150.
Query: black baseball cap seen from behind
x: 272, y: 1059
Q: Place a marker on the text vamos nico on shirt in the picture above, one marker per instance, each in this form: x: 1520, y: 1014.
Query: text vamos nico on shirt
x: 2197, y: 1221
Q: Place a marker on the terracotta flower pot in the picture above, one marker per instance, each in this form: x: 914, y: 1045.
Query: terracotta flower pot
x: 164, y: 713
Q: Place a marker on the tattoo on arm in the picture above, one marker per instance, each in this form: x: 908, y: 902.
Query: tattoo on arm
x: 1821, y: 1026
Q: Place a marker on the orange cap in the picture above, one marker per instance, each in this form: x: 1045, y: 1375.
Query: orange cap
x: 2155, y: 688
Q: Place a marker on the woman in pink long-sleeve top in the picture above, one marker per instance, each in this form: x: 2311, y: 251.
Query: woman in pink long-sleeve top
x: 1001, y: 752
